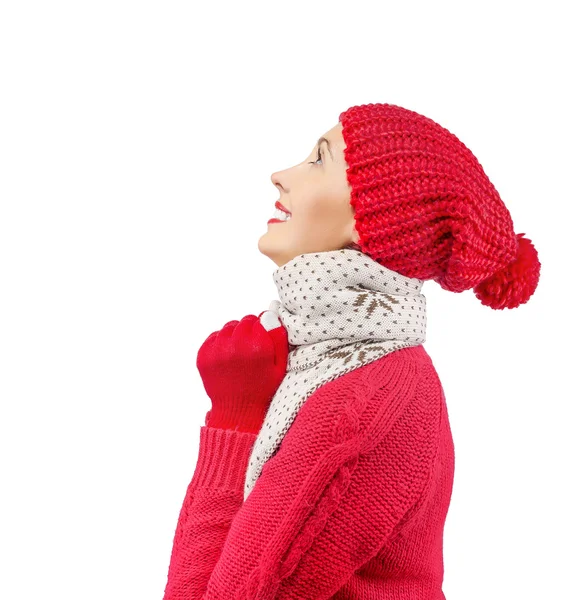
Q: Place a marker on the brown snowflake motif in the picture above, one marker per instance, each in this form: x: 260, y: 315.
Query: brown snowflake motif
x: 371, y: 299
x: 353, y: 352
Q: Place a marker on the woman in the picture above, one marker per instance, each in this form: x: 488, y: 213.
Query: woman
x: 326, y: 462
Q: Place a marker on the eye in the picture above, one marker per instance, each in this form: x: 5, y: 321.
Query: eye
x: 319, y: 158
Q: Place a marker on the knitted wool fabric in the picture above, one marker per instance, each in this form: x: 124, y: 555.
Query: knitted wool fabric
x: 425, y: 208
x: 341, y: 310
x: 352, y: 506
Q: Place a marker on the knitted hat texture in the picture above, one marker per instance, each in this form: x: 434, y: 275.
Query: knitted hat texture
x: 424, y: 207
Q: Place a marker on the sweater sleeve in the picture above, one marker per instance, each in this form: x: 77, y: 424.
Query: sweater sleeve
x: 350, y: 472
x: 212, y: 499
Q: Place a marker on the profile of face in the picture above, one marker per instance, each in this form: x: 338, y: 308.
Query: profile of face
x: 316, y: 193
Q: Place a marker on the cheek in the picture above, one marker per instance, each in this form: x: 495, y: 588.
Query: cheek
x: 320, y: 210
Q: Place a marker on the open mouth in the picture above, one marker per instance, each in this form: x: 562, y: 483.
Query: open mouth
x: 280, y: 215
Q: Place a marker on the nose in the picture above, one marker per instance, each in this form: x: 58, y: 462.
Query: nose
x: 276, y: 180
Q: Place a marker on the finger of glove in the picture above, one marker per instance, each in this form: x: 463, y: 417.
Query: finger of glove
x: 272, y: 324
x: 216, y: 339
x: 213, y: 345
x: 225, y: 347
x: 205, y: 352
x: 228, y: 328
x: 244, y: 336
x: 246, y: 324
x: 205, y: 348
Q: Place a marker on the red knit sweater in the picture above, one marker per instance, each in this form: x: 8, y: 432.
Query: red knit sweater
x: 352, y: 505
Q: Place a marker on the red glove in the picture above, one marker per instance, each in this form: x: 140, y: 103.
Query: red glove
x: 241, y: 366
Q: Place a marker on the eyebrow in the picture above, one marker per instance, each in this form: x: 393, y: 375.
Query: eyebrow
x: 322, y: 140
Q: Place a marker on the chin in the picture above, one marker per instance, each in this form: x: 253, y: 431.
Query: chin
x: 278, y: 256
x: 266, y: 249
x: 262, y: 245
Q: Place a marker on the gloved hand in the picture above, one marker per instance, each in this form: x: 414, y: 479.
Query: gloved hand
x: 241, y: 366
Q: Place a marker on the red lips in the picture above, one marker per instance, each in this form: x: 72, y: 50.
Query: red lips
x: 279, y: 205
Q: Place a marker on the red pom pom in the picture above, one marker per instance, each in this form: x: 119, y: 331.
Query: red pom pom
x: 516, y: 283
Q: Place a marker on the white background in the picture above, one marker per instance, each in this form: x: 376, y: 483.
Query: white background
x: 137, y: 141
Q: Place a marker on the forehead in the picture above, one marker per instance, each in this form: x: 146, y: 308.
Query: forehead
x: 335, y: 136
x: 337, y: 144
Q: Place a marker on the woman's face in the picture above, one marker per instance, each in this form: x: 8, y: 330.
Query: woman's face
x: 317, y: 194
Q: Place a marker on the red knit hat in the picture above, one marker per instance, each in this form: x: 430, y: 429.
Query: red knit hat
x: 425, y: 208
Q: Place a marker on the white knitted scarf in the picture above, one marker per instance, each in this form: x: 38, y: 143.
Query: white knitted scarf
x: 342, y: 310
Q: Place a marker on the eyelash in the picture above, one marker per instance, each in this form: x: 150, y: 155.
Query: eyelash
x: 319, y: 157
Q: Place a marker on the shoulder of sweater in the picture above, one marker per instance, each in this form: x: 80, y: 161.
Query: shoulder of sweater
x: 408, y: 387
x: 403, y: 391
x: 392, y: 374
x: 383, y: 371
x: 406, y: 361
x: 364, y: 403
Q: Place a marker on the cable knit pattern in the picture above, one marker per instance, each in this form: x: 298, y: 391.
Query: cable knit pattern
x: 353, y: 504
